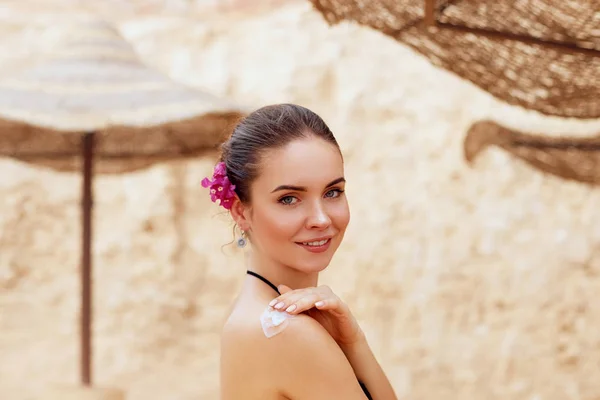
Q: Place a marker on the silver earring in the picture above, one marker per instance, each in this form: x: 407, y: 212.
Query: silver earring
x: 241, y: 242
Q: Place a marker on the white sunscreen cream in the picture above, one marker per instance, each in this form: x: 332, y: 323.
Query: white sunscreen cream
x: 274, y: 321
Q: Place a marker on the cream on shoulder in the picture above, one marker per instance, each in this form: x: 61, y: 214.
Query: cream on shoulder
x: 274, y: 321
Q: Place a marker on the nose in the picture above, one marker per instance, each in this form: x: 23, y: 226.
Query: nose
x: 318, y: 218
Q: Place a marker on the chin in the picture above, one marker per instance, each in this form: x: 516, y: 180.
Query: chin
x: 318, y: 266
x: 313, y: 267
x: 307, y: 262
x: 312, y: 263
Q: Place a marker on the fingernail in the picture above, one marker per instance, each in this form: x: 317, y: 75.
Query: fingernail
x: 272, y: 303
x: 291, y: 308
x: 279, y: 305
x: 319, y: 303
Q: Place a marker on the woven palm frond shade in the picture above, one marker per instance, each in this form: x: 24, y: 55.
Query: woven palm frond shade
x: 571, y: 158
x: 92, y: 81
x: 543, y: 55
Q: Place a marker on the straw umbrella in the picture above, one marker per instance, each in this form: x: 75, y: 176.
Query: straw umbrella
x: 541, y: 55
x: 92, y: 99
x: 567, y: 157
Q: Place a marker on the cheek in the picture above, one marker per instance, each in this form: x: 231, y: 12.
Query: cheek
x: 277, y: 224
x: 340, y: 215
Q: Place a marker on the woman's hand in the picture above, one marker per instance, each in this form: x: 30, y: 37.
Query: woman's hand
x: 325, y: 307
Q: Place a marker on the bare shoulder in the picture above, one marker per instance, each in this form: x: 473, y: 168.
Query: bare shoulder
x: 244, y: 344
x: 301, y: 362
x: 244, y: 369
x: 309, y: 364
x: 243, y: 333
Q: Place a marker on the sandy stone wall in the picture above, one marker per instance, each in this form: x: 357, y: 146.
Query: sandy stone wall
x: 470, y: 282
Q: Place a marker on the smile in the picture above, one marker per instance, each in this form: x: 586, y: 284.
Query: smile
x: 317, y: 246
x: 319, y: 243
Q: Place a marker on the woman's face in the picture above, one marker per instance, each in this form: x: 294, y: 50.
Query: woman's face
x: 299, y: 212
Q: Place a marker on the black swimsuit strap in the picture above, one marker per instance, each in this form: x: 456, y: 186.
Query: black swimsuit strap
x: 265, y: 280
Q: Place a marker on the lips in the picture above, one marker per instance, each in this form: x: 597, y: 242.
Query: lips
x: 318, y: 242
x: 316, y: 245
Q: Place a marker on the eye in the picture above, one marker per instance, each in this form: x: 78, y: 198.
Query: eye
x: 333, y: 193
x: 288, y: 200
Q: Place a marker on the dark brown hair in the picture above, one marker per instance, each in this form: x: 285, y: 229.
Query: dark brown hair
x: 267, y: 128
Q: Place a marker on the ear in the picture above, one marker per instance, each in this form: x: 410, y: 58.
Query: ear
x: 239, y: 213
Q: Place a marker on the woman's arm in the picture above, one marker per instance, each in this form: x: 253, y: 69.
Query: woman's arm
x: 368, y: 370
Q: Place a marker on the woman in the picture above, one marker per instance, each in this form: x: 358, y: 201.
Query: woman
x: 281, y: 177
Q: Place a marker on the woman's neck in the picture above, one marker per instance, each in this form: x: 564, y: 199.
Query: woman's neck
x: 278, y: 273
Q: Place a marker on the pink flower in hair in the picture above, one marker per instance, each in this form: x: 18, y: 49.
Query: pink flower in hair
x: 220, y: 187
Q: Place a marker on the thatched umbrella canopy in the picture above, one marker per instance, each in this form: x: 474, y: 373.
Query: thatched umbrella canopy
x: 92, y: 99
x: 567, y: 157
x: 93, y: 81
x: 541, y: 55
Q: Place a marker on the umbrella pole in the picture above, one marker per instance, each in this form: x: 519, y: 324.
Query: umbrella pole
x: 429, y: 13
x: 86, y: 260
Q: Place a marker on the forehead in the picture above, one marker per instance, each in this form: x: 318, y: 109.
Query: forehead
x: 308, y: 161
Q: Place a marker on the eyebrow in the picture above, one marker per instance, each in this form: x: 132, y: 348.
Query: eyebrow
x: 303, y: 189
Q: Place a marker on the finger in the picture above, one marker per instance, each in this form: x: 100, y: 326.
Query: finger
x: 285, y: 294
x: 283, y: 289
x: 327, y: 304
x: 297, y: 304
x: 303, y: 304
x: 285, y: 300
